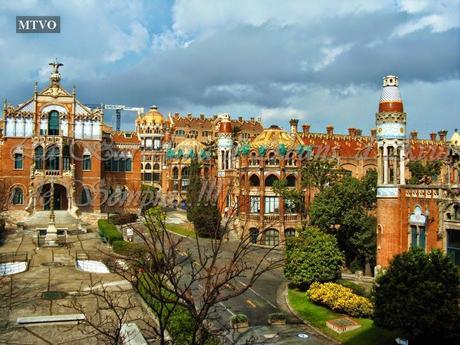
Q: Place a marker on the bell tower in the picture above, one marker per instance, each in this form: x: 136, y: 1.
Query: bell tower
x: 225, y: 162
x: 391, y: 156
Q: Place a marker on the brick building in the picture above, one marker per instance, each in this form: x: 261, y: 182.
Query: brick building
x: 58, y: 154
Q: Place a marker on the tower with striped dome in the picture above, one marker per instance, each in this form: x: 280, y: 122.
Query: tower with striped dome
x: 391, y: 156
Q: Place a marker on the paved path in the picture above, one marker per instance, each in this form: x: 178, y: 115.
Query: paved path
x: 53, y: 269
x: 265, y: 297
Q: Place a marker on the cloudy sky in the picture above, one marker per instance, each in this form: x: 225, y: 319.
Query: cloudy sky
x: 319, y: 61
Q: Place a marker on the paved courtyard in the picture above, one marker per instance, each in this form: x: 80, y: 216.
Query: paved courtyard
x: 53, y: 269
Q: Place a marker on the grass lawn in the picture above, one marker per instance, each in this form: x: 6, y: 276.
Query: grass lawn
x: 317, y: 316
x: 182, y: 229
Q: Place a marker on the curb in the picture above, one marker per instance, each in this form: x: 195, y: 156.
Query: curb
x: 293, y: 312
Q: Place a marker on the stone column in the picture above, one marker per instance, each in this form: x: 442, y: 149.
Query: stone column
x: 385, y: 164
x: 402, y: 166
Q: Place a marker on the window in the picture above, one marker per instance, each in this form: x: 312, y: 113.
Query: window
x: 86, y: 162
x: 289, y: 206
x: 253, y: 235
x: 457, y: 212
x: 39, y: 157
x: 18, y: 196
x: 18, y: 160
x: 129, y: 164
x: 270, y: 179
x: 289, y: 233
x: 53, y: 123
x: 271, y: 237
x: 255, y: 204
x: 271, y: 159
x: 147, y: 177
x: 156, y: 177
x: 253, y: 160
x: 66, y: 158
x: 185, y: 180
x: 180, y: 132
x: 175, y: 173
x: 290, y: 180
x: 52, y: 158
x: 254, y: 181
x: 271, y: 204
x: 85, y: 197
x: 418, y: 236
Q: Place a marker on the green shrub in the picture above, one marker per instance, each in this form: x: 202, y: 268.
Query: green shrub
x: 238, y: 318
x: 312, y: 256
x: 109, y: 231
x: 418, y: 297
x: 129, y: 248
x: 123, y: 218
x: 340, y: 299
x: 207, y: 221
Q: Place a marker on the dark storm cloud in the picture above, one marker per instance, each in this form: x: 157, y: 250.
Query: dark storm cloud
x: 259, y: 65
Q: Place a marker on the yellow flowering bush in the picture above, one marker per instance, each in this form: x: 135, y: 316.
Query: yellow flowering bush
x: 340, y: 299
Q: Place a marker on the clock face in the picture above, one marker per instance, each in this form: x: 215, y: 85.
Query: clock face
x: 391, y: 131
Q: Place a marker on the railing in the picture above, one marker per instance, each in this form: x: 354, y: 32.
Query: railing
x: 271, y: 217
x: 291, y: 218
x: 52, y: 172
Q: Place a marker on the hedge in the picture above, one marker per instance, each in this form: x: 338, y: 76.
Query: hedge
x: 340, y: 299
x: 109, y: 231
x: 129, y: 248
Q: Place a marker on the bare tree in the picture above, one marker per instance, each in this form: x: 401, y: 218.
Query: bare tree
x: 173, y: 274
x: 107, y: 310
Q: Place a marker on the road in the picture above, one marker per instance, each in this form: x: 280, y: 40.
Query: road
x: 266, y: 296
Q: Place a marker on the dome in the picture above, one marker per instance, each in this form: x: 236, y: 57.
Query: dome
x: 273, y: 137
x: 153, y: 116
x: 188, y: 145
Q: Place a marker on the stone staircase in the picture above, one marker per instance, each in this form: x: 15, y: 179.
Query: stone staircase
x: 40, y: 219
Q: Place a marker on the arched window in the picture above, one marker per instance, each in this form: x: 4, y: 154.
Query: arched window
x: 289, y: 233
x: 148, y: 166
x: 272, y: 237
x: 290, y: 180
x: 52, y: 158
x: 17, y: 197
x: 85, y: 196
x: 122, y: 163
x: 254, y: 181
x: 253, y: 235
x: 175, y: 173
x: 270, y: 179
x: 156, y: 166
x: 18, y: 160
x: 38, y: 157
x: 290, y: 160
x: 253, y: 160
x: 185, y: 177
x: 53, y: 123
x: 271, y: 159
x: 129, y: 162
x: 457, y: 212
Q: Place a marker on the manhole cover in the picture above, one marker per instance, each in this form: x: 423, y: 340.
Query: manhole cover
x: 52, y: 264
x: 52, y: 295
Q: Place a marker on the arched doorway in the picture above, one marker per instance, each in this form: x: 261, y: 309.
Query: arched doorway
x: 61, y: 201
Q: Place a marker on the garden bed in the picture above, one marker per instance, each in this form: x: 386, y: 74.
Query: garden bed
x: 317, y: 316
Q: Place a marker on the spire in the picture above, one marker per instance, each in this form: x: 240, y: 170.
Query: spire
x: 55, y: 76
x: 390, y: 100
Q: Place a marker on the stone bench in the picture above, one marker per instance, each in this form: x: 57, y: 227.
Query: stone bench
x: 34, y: 320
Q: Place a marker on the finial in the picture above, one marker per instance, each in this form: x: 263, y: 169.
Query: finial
x: 36, y: 86
x: 74, y: 90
